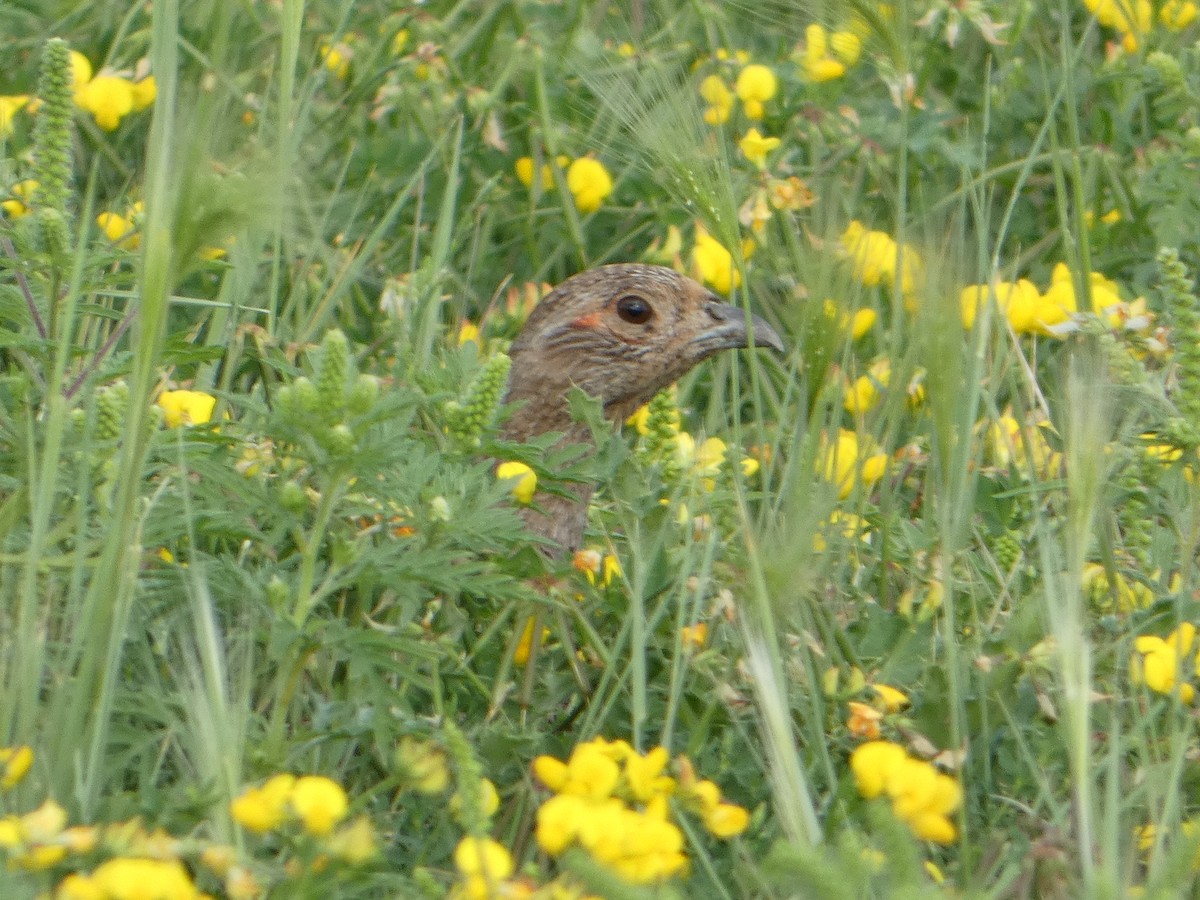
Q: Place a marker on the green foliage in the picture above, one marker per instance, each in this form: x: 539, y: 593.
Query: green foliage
x: 317, y: 243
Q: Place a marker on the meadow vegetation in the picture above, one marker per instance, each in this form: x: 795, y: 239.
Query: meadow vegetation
x: 908, y: 610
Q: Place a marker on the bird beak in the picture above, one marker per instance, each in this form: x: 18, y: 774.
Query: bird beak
x: 729, y: 330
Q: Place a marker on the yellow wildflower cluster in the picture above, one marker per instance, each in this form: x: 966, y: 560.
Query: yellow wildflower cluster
x: 615, y: 803
x: 922, y: 797
x: 856, y: 325
x: 704, y: 461
x: 131, y: 878
x: 423, y: 766
x: 599, y: 568
x: 317, y: 802
x: 865, y: 718
x: 587, y: 179
x: 1133, y: 19
x: 1122, y: 594
x: 336, y: 57
x: 1012, y: 445
x: 877, y: 259
x: 756, y: 84
x: 827, y: 55
x: 40, y: 839
x: 21, y: 196
x: 141, y: 863
x: 847, y: 460
x: 485, y: 866
x: 845, y: 527
x: 1167, y: 665
x: 1030, y: 311
x: 109, y: 98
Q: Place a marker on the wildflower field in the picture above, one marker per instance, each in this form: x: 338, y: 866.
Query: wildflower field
x: 907, y: 610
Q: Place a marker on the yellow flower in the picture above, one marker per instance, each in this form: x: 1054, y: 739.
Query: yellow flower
x: 694, y: 636
x: 108, y: 98
x: 78, y: 887
x: 119, y: 230
x: 1130, y: 17
x: 558, y: 821
x: 81, y: 70
x: 524, y: 480
x: 756, y: 84
x: 145, y: 92
x: 9, y: 106
x: 641, y: 848
x: 719, y: 98
x: 355, y: 843
x: 263, y: 808
x: 864, y: 721
x: 638, y: 420
x: 709, y: 455
x: 186, y: 407
x: 422, y: 765
x: 845, y: 525
x: 644, y: 775
x: 319, y: 802
x: 713, y: 263
x: 610, y: 568
x: 921, y: 796
x: 125, y: 878
x: 336, y: 58
x: 847, y: 461
x: 739, y: 56
x: 893, y: 700
x: 1159, y: 662
x: 826, y: 57
x: 1008, y: 446
x: 468, y: 332
x: 726, y: 820
x: 1059, y: 301
x: 524, y: 170
x: 1177, y: 15
x: 863, y: 395
x: 1017, y: 300
x: 666, y: 252
x: 525, y: 643
x: 846, y: 46
x: 15, y: 763
x: 598, y: 568
x: 877, y: 258
x: 483, y: 857
x: 589, y: 182
x: 590, y: 772
x: 1129, y: 594
x: 21, y: 192
x: 871, y: 765
x: 755, y: 147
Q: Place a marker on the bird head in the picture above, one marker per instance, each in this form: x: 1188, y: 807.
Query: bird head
x: 621, y: 333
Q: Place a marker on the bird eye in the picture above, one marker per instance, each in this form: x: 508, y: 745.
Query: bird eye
x: 634, y: 310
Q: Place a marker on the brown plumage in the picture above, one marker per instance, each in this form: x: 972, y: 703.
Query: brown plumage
x: 621, y: 333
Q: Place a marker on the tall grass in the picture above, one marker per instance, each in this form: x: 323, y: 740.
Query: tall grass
x: 193, y: 610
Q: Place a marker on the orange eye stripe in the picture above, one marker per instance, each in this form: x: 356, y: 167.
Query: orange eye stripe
x: 591, y: 321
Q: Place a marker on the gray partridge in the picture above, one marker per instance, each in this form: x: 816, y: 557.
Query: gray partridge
x: 621, y: 333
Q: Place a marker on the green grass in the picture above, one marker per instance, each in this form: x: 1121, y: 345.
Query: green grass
x: 328, y: 571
